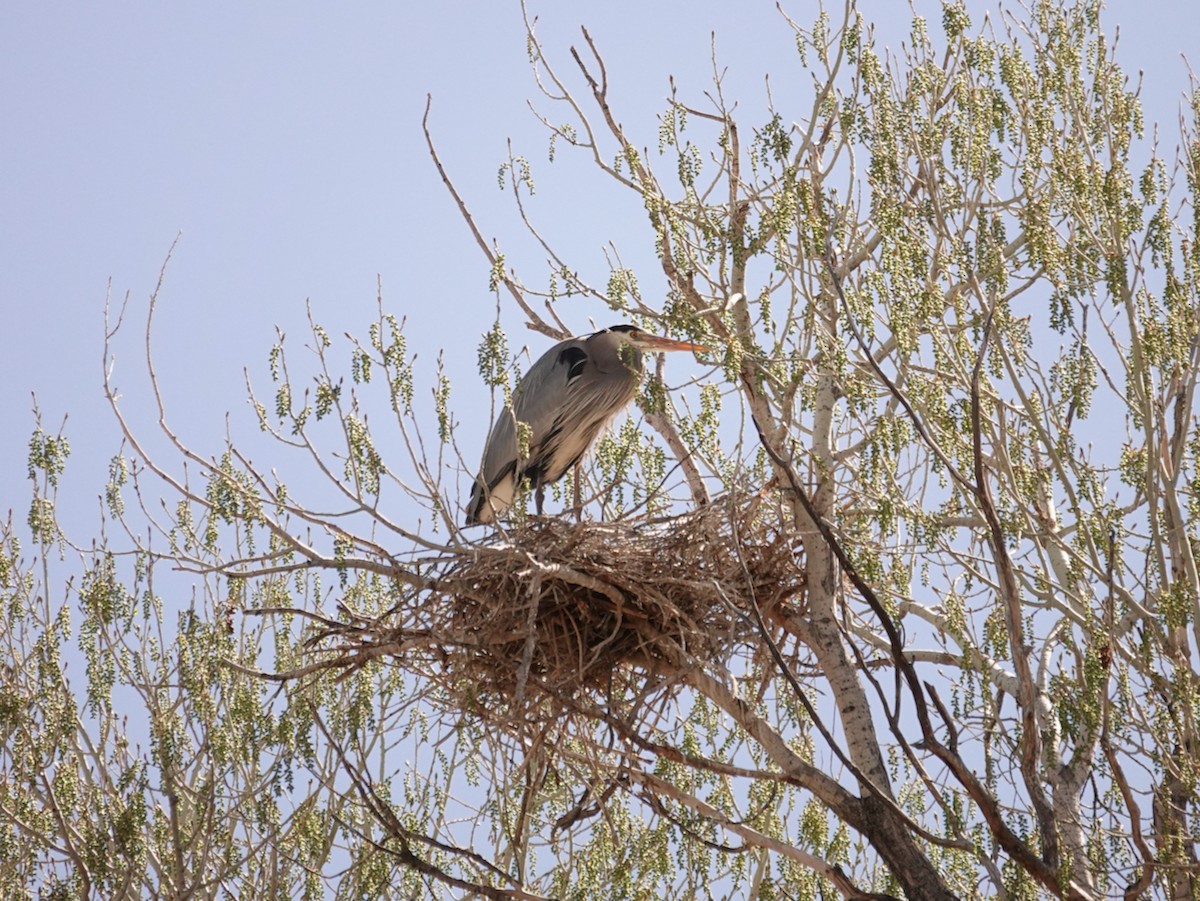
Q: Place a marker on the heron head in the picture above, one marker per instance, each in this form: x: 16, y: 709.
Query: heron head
x: 650, y: 343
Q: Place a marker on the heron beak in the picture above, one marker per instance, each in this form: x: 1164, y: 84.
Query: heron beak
x: 657, y: 344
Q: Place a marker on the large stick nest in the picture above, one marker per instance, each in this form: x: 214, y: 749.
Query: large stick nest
x: 553, y: 608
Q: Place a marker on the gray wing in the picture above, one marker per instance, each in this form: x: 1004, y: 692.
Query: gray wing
x: 566, y: 398
x: 537, y: 402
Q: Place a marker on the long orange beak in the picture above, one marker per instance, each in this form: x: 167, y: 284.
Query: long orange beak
x: 656, y: 343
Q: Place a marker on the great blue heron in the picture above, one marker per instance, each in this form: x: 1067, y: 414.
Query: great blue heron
x: 565, y: 399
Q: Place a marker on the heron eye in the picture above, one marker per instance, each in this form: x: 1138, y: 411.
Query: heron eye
x: 574, y: 358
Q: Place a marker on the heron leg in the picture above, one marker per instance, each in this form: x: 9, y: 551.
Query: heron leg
x: 578, y: 498
x: 539, y: 496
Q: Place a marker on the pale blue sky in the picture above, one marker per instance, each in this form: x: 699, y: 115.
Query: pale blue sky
x: 284, y: 141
